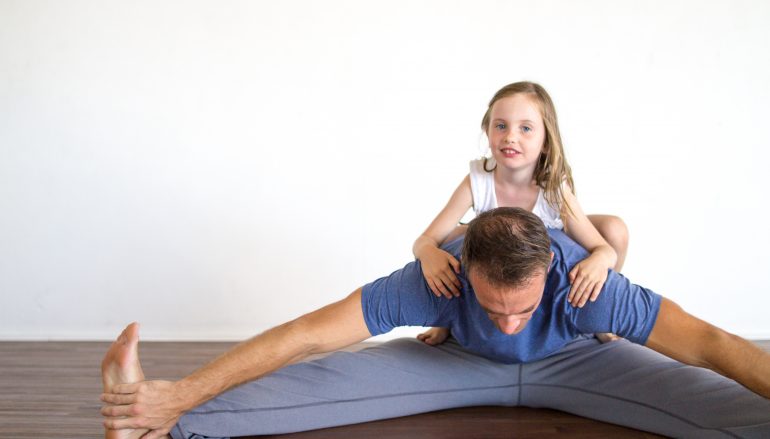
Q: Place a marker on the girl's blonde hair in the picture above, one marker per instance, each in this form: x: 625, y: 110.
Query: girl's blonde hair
x: 552, y: 170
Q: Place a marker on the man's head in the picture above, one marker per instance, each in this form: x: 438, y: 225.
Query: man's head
x: 506, y: 255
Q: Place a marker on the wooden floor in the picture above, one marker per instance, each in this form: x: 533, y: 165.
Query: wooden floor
x: 51, y: 390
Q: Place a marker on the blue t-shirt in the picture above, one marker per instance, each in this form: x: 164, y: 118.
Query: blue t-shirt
x: 404, y: 299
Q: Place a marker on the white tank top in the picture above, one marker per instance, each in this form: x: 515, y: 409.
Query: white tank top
x: 485, y: 198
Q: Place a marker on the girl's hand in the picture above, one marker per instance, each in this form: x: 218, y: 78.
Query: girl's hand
x: 587, y: 279
x: 434, y: 336
x: 440, y: 270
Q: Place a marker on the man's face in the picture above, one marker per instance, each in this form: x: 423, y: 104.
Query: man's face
x: 509, y: 308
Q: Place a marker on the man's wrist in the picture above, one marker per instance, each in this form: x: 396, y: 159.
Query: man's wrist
x: 190, y: 393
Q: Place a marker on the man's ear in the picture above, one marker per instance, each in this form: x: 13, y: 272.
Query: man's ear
x: 549, y: 265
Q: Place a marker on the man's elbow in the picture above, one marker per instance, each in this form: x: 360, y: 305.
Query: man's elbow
x: 686, y: 338
x: 723, y: 343
x: 295, y: 338
x: 330, y: 328
x: 301, y: 332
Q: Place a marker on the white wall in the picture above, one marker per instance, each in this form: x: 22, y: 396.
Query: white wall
x: 212, y: 169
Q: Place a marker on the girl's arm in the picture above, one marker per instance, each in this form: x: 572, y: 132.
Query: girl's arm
x: 589, y: 275
x: 438, y: 266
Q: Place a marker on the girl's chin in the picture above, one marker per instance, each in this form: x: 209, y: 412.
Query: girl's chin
x: 514, y: 164
x: 517, y: 159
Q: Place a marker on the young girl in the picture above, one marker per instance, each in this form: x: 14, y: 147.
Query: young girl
x: 528, y: 170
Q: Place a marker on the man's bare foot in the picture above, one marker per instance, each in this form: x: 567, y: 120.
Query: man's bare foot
x: 434, y: 336
x: 121, y: 365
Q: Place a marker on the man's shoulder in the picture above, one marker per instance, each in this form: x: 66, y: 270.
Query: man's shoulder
x: 565, y: 249
x: 454, y: 247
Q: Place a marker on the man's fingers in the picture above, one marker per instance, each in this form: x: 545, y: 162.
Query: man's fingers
x: 115, y: 398
x: 125, y: 388
x: 114, y: 411
x: 120, y: 423
x: 156, y: 434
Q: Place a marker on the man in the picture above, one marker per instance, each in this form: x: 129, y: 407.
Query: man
x: 517, y: 341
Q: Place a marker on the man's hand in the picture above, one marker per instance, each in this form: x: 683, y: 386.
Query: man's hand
x: 153, y: 405
x: 434, y: 336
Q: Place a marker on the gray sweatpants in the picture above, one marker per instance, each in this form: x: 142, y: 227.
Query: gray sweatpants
x: 617, y: 382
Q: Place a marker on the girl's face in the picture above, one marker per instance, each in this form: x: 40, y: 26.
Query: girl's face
x: 516, y: 132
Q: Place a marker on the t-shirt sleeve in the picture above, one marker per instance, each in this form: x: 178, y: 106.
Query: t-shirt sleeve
x: 401, y: 299
x: 622, y: 308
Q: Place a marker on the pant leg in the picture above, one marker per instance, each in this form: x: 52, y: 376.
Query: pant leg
x: 630, y: 385
x: 398, y: 378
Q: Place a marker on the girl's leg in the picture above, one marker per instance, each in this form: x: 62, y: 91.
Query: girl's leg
x: 615, y: 232
x: 458, y: 231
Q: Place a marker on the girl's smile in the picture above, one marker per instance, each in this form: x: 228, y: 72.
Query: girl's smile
x: 509, y: 152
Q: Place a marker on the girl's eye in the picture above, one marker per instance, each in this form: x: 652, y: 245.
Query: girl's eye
x: 500, y: 126
x: 526, y: 129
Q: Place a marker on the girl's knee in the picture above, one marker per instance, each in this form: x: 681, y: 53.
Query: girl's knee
x: 613, y: 229
x: 618, y: 229
x: 458, y: 231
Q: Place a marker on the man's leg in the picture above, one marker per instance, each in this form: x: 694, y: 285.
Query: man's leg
x: 398, y: 378
x: 631, y: 385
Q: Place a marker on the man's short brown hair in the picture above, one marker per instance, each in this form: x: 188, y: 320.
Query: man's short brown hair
x: 508, y: 246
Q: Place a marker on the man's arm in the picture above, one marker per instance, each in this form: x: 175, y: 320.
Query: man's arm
x: 157, y: 405
x: 690, y: 340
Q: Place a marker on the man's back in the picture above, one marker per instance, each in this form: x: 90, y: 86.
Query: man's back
x: 404, y: 299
